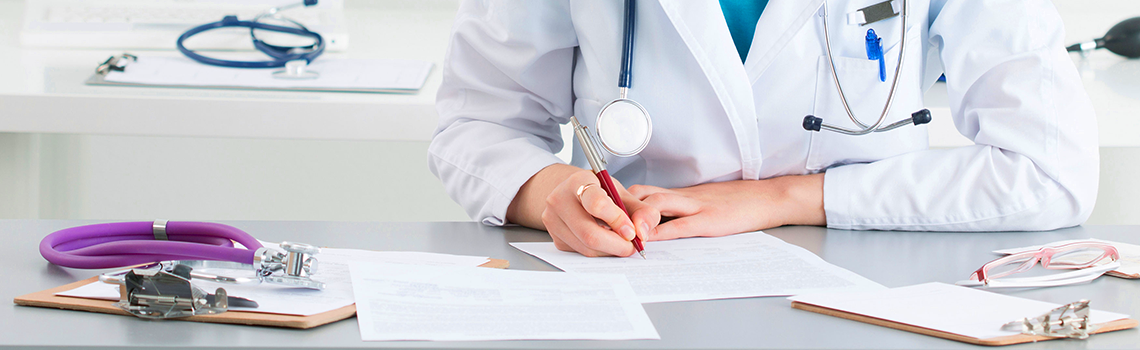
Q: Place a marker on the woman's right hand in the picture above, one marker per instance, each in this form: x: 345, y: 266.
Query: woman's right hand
x: 591, y: 224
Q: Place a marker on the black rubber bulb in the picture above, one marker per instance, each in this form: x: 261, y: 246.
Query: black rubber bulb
x: 1124, y: 38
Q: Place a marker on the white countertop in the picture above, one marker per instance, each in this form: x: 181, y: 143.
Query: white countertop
x: 46, y: 93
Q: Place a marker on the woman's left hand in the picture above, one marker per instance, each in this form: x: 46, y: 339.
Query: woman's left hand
x: 725, y: 208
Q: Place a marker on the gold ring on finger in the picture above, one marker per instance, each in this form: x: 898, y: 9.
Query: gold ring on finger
x: 583, y: 189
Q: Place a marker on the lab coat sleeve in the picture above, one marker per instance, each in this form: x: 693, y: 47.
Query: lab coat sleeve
x: 1015, y: 92
x: 506, y: 88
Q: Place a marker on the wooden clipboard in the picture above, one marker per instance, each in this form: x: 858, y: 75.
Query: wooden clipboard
x: 48, y: 299
x: 1119, y: 274
x: 998, y: 341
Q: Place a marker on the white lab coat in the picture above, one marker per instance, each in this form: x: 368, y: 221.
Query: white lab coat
x: 515, y: 70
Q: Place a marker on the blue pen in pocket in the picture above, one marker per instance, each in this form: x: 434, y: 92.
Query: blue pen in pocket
x: 875, y: 52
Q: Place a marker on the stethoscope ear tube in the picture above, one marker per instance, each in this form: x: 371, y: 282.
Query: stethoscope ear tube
x: 813, y: 123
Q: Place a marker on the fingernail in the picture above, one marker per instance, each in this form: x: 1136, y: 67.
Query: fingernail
x: 644, y: 229
x: 627, y: 231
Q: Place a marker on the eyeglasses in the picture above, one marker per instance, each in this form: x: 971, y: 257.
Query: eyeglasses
x: 1089, y: 259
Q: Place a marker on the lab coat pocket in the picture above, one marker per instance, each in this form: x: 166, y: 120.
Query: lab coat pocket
x: 866, y: 95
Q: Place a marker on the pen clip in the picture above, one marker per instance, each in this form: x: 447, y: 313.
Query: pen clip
x: 875, y: 52
x: 594, y: 144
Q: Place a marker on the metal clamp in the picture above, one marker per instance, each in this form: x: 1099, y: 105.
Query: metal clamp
x: 159, y: 228
x: 1067, y: 321
x: 297, y: 264
x: 165, y: 291
x: 116, y: 63
x: 160, y: 294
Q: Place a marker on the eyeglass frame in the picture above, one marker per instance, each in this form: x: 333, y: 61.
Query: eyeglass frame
x: 1044, y: 255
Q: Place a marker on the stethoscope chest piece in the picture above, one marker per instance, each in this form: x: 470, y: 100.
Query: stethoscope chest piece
x: 296, y: 70
x: 624, y: 127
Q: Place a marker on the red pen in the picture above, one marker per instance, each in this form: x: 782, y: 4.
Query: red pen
x: 598, y: 164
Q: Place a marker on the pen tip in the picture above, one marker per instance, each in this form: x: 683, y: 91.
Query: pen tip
x: 642, y: 255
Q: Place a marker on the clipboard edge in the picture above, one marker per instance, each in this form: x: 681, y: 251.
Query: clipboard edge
x: 998, y: 341
x: 48, y: 299
x: 100, y: 80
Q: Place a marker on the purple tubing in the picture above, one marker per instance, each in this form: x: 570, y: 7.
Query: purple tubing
x: 122, y: 244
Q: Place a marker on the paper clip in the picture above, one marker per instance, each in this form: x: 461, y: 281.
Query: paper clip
x: 1067, y: 321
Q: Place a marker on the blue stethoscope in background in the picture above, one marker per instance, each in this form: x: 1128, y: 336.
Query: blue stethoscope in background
x: 293, y: 58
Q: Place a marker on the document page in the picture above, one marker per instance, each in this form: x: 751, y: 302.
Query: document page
x: 939, y: 306
x: 738, y: 266
x: 332, y: 269
x: 405, y: 302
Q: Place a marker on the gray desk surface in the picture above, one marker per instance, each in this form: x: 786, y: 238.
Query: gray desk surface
x: 891, y: 258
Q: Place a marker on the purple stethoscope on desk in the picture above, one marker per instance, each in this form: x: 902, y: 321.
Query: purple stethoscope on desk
x: 193, y: 244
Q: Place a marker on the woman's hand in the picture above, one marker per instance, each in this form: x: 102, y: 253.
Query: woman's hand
x: 590, y: 224
x: 724, y: 208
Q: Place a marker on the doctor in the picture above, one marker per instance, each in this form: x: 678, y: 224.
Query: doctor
x: 728, y: 85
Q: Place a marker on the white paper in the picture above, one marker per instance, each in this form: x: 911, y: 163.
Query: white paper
x: 332, y: 269
x: 1129, y: 254
x: 939, y: 306
x: 397, y: 302
x: 335, y: 73
x: 738, y: 266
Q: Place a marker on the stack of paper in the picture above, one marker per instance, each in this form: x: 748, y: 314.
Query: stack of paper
x: 402, y: 302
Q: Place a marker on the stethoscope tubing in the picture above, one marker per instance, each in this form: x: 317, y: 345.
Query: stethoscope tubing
x: 122, y: 244
x: 866, y: 129
x: 280, y: 57
x: 625, y: 77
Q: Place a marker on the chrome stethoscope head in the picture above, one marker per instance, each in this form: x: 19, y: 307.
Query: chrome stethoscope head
x: 813, y: 123
x: 624, y: 126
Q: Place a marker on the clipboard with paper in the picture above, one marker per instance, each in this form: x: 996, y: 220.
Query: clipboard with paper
x: 965, y: 314
x: 289, y: 308
x: 335, y: 75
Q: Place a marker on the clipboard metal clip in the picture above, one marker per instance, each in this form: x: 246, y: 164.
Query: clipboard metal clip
x: 159, y: 294
x: 116, y: 63
x: 1067, y: 321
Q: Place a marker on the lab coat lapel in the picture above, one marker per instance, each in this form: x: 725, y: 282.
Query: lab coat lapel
x: 779, y: 23
x: 702, y: 27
